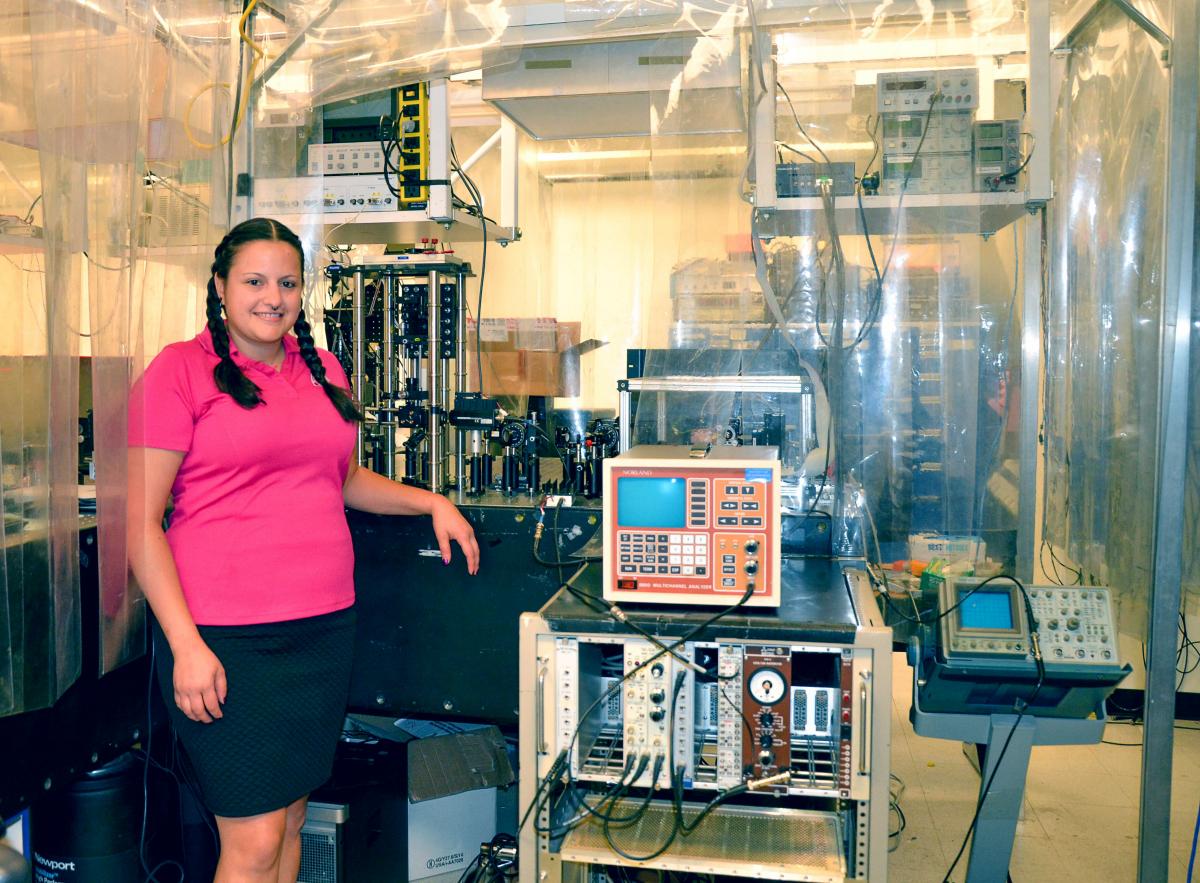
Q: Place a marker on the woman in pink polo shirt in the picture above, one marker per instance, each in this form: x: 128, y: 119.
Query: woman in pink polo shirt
x: 250, y: 431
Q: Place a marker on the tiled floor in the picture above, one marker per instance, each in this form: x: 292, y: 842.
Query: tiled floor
x: 1080, y: 818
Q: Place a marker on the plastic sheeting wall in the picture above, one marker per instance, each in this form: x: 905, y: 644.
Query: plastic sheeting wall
x: 108, y: 230
x: 923, y: 385
x: 1103, y: 314
x: 623, y: 230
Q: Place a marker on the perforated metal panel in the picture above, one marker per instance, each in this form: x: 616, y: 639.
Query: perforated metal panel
x: 318, y: 858
x: 772, y: 844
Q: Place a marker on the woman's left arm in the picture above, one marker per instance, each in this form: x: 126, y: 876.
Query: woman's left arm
x: 371, y: 492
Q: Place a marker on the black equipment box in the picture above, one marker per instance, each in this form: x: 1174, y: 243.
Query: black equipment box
x: 805, y: 179
x: 433, y: 641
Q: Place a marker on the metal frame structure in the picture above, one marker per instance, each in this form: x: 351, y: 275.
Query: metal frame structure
x: 1181, y: 56
x: 1174, y: 353
x: 548, y: 681
x: 974, y: 212
x: 777, y: 384
x: 441, y: 445
x: 438, y: 219
x: 1129, y: 9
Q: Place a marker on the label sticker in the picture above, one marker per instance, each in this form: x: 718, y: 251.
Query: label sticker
x: 758, y: 475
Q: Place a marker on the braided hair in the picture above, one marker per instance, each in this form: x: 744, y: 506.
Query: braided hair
x: 308, y: 351
x: 228, y: 376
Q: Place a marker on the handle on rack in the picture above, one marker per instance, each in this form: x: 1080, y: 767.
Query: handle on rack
x: 539, y: 700
x: 864, y: 729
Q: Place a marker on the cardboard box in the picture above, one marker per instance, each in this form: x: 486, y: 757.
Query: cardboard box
x: 454, y: 771
x: 538, y: 357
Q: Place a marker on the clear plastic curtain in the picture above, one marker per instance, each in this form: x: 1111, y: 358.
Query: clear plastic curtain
x: 912, y: 419
x: 192, y: 92
x: 89, y: 93
x: 705, y: 298
x: 113, y: 109
x: 113, y: 123
x: 1104, y: 312
x: 47, y: 646
x: 23, y: 422
x: 1191, y: 515
x: 1157, y: 11
x: 198, y: 109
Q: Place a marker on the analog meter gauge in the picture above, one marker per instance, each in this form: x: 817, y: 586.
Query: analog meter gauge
x: 767, y: 686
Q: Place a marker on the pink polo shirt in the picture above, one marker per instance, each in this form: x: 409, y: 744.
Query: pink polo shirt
x: 259, y: 530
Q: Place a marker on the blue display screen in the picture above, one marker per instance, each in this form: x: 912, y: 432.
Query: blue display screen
x: 985, y: 610
x: 651, y: 502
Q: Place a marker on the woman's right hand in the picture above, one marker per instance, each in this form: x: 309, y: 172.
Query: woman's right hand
x: 199, y: 680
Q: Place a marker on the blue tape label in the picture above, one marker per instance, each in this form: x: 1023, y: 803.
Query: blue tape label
x: 758, y: 475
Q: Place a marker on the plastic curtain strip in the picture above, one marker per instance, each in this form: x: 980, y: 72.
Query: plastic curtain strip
x: 22, y: 428
x: 114, y: 204
x: 1191, y: 516
x: 52, y: 657
x: 22, y: 390
x: 1103, y: 317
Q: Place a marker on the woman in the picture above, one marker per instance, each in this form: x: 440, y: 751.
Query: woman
x: 251, y: 431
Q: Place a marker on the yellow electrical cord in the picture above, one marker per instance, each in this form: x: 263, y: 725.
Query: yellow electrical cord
x: 241, y: 109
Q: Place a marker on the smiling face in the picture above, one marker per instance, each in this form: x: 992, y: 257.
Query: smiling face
x: 261, y: 294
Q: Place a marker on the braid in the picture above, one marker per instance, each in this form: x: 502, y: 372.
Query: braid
x: 308, y: 351
x: 227, y: 374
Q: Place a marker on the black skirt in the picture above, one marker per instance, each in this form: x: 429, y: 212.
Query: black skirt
x: 288, y: 684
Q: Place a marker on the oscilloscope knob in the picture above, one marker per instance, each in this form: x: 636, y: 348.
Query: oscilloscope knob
x: 751, y: 546
x: 751, y: 567
x: 657, y: 714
